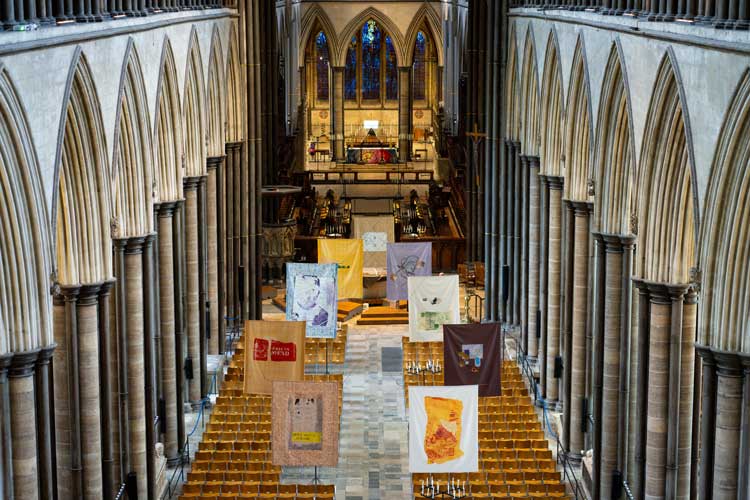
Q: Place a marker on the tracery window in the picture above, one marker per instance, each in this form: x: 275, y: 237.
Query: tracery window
x: 420, y: 67
x: 322, y: 62
x: 371, y: 71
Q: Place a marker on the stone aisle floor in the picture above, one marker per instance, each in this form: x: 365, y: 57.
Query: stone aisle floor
x: 373, y: 450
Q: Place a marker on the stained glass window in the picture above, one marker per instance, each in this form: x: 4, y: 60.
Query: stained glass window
x: 419, y: 67
x: 371, y: 46
x: 350, y: 72
x: 391, y: 70
x: 321, y: 55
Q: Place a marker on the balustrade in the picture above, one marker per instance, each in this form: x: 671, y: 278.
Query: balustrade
x: 24, y: 15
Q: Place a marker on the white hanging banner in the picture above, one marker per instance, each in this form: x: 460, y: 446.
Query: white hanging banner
x: 433, y: 302
x: 443, y: 428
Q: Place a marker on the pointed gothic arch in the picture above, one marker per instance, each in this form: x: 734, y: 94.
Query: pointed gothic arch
x: 726, y: 249
x: 579, y: 138
x: 512, y: 104
x: 529, y: 98
x: 667, y: 212
x: 314, y: 21
x: 615, y: 150
x: 82, y: 208
x: 385, y: 23
x: 426, y: 19
x: 234, y: 93
x: 132, y: 175
x: 216, y: 95
x: 25, y: 251
x: 193, y: 111
x: 168, y: 141
x: 553, y: 110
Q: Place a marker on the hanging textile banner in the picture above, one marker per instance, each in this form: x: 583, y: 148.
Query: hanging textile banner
x: 349, y: 255
x: 472, y: 355
x: 406, y: 260
x: 274, y: 350
x: 443, y: 429
x: 433, y: 302
x: 311, y: 297
x: 376, y: 231
x: 305, y: 418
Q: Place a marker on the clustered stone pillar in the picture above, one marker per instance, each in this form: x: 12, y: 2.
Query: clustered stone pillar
x: 6, y: 445
x: 612, y: 334
x: 212, y: 229
x: 543, y: 282
x: 167, y: 319
x: 575, y: 411
x: 78, y: 388
x: 725, y: 440
x: 337, y: 112
x: 135, y: 381
x: 404, y: 114
x: 23, y: 424
x: 554, y: 249
x: 192, y: 302
x: 663, y: 420
x: 524, y: 252
x: 533, y: 277
x: 178, y: 249
x: 516, y: 199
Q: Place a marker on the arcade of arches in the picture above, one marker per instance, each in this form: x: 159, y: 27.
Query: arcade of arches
x: 583, y: 166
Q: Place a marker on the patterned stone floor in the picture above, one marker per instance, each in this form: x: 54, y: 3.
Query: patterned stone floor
x: 373, y: 458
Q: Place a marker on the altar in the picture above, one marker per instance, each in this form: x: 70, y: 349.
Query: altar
x: 371, y: 151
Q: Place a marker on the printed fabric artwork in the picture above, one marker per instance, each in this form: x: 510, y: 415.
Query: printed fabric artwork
x: 406, y: 260
x: 376, y: 232
x: 311, y: 297
x: 371, y: 156
x: 305, y: 423
x: 275, y: 350
x: 433, y: 302
x: 349, y: 256
x: 375, y: 242
x: 472, y: 355
x: 443, y: 429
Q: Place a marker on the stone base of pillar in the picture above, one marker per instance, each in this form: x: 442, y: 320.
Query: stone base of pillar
x: 174, y: 462
x: 575, y: 458
x: 195, y: 405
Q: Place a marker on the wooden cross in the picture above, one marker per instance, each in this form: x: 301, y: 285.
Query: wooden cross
x: 476, y: 137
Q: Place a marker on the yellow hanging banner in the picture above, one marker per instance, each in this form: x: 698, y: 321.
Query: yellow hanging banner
x: 349, y: 255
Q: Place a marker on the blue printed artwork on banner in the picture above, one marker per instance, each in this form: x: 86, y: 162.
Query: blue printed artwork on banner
x: 311, y: 296
x: 404, y: 260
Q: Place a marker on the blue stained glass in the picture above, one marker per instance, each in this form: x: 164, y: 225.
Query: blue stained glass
x: 371, y: 47
x: 420, y: 49
x: 321, y: 56
x: 350, y: 72
x: 391, y: 70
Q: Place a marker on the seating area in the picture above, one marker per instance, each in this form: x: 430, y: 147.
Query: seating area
x: 233, y: 460
x: 515, y: 459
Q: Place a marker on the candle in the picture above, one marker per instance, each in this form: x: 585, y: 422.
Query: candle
x: 423, y: 486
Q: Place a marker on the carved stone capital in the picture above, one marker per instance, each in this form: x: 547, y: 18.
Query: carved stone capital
x: 23, y: 363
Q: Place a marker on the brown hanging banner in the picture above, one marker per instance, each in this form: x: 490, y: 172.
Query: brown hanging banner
x: 473, y: 356
x: 274, y: 350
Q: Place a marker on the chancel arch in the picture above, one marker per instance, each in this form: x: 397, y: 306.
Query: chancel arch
x: 169, y: 140
x: 215, y: 99
x: 193, y: 110
x: 667, y: 297
x: 724, y: 336
x: 384, y: 23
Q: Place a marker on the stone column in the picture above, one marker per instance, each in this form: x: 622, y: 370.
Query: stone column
x: 729, y: 394
x: 221, y: 251
x: 502, y: 229
x: 517, y: 192
x: 508, y: 200
x: 708, y: 422
x: 192, y: 303
x: 44, y: 423
x: 337, y: 113
x: 178, y: 249
x: 214, y: 165
x: 136, y: 369
x: 404, y: 114
x: 543, y: 282
x: 6, y: 444
x: 230, y: 213
x: 23, y: 424
x: 577, y: 366
x: 167, y: 318
x: 108, y: 427
x: 121, y: 439
x: 598, y: 358
x: 89, y: 385
x: 744, y: 465
x: 524, y: 286
x: 685, y: 392
x: 533, y: 286
x: 553, y: 287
